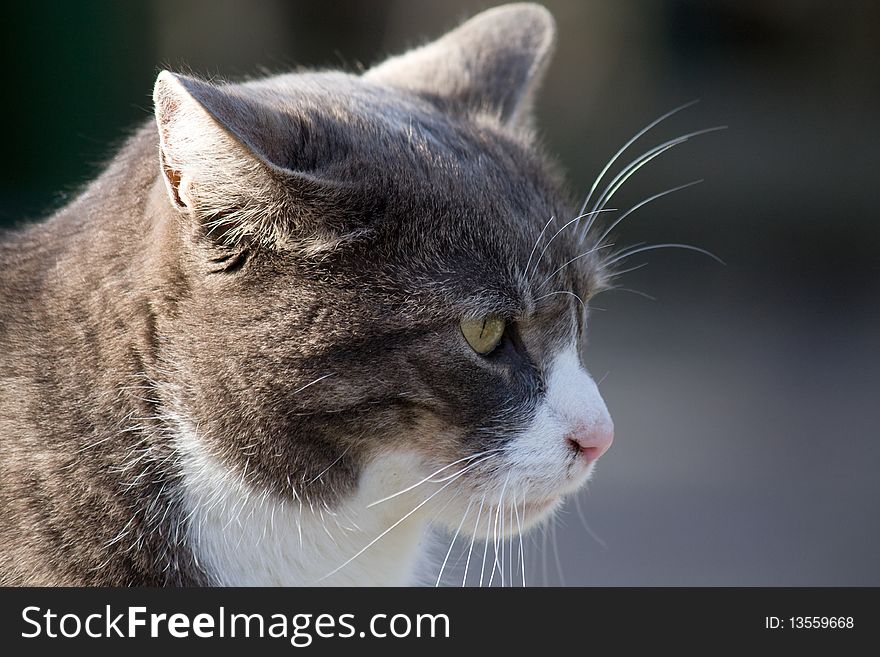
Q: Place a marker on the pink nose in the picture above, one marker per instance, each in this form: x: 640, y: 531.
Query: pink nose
x: 591, y: 443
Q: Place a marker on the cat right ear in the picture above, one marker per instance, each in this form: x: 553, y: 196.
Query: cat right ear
x: 218, y: 164
x: 491, y: 63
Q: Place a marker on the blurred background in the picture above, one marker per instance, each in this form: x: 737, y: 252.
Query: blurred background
x: 745, y: 396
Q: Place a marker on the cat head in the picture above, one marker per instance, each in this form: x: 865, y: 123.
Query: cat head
x: 382, y: 265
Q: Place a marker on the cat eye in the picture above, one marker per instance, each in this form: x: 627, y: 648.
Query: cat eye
x: 483, y: 333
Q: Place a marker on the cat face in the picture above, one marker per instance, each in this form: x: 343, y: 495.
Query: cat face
x: 383, y: 265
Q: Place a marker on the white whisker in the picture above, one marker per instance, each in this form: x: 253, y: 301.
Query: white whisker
x: 555, y: 545
x: 639, y: 205
x: 433, y: 474
x: 581, y: 301
x: 537, y: 241
x: 510, y: 556
x: 631, y: 168
x: 499, y: 514
x: 632, y: 140
x: 320, y: 378
x: 576, y: 258
x: 485, y: 551
x: 473, y: 538
x: 327, y: 469
x: 380, y: 536
x: 495, y: 544
x: 620, y: 272
x: 652, y: 247
x: 636, y: 292
x: 545, y: 579
x: 580, y: 512
x: 566, y: 225
x: 455, y: 536
x: 522, y: 557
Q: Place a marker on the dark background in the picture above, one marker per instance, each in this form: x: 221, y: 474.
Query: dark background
x: 745, y: 397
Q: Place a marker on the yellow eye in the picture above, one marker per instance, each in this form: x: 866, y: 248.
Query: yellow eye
x: 483, y: 333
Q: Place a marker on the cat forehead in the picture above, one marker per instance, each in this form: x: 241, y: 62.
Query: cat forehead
x: 344, y: 119
x: 335, y: 94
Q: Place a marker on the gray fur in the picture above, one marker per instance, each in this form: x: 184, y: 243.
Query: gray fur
x: 253, y: 239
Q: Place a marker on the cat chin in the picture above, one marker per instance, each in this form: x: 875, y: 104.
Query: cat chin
x: 534, y: 513
x: 491, y: 525
x: 486, y: 523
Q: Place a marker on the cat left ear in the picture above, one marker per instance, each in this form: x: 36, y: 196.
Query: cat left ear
x: 492, y: 63
x: 220, y: 159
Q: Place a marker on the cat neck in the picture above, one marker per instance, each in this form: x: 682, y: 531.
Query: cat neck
x: 244, y: 537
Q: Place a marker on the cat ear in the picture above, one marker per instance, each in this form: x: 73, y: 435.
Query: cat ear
x: 217, y: 160
x: 493, y: 62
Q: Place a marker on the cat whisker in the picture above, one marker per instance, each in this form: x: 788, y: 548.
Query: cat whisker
x: 620, y: 272
x: 522, y: 557
x: 327, y: 469
x: 636, y: 292
x: 499, y: 516
x: 618, y: 221
x: 393, y: 526
x: 485, y: 550
x: 581, y: 301
x: 501, y: 535
x: 320, y: 378
x: 575, y: 259
x: 326, y: 529
x: 510, y: 545
x: 473, y: 539
x: 566, y: 225
x: 433, y: 474
x: 537, y: 241
x: 555, y: 543
x: 545, y: 579
x: 627, y: 172
x: 447, y: 477
x: 494, y: 546
x: 629, y: 143
x: 454, y: 538
x: 437, y: 512
x: 651, y: 247
x: 580, y: 512
x: 513, y: 563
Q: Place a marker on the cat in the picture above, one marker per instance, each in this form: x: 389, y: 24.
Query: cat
x: 298, y: 320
